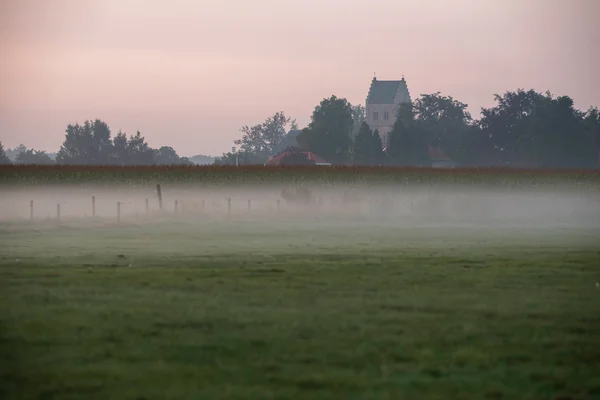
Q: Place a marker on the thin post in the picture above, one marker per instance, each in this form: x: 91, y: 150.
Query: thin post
x: 249, y: 205
x: 159, y: 193
x: 203, y: 201
x: 229, y: 206
x: 147, y: 207
x: 93, y: 206
x: 58, y: 212
x: 118, y: 211
x: 31, y: 210
x: 278, y: 204
x: 176, y: 206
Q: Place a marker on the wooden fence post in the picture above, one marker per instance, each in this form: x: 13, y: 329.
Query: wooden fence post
x: 58, y: 212
x: 249, y: 205
x: 31, y: 210
x: 159, y: 193
x: 147, y: 207
x: 176, y: 206
x: 93, y: 206
x: 229, y: 206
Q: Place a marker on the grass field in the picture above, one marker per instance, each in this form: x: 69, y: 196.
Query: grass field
x: 299, y: 309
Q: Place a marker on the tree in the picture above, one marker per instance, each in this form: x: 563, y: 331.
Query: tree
x: 329, y: 132
x: 408, y: 140
x: 3, y: 157
x: 131, y: 151
x: 34, y: 157
x: 532, y: 129
x: 363, y: 145
x: 140, y: 153
x: 560, y: 137
x: 509, y: 125
x: 89, y: 143
x: 591, y: 126
x: 168, y: 156
x: 377, y: 146
x: 368, y: 149
x: 261, y: 140
x: 120, y: 154
x: 478, y: 149
x: 443, y: 120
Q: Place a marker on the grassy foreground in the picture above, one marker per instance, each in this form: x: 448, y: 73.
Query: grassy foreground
x: 291, y: 311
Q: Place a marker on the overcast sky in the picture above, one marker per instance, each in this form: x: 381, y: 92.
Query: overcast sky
x: 190, y: 73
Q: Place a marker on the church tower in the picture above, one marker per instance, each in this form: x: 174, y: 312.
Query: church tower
x: 382, y: 104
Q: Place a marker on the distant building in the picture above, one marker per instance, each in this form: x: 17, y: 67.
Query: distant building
x: 382, y: 105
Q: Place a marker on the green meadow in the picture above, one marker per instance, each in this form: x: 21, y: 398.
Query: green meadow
x: 298, y: 308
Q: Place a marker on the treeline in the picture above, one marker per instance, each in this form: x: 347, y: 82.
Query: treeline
x: 523, y: 129
x: 91, y: 143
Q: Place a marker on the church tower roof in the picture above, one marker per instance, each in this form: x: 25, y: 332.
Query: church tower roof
x: 385, y: 92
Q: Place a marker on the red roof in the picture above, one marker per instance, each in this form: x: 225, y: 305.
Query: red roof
x: 311, y: 156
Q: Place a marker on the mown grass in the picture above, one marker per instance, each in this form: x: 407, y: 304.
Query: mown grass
x: 221, y: 175
x: 288, y: 312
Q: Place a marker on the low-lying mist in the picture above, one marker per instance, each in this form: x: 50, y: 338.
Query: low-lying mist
x: 92, y: 206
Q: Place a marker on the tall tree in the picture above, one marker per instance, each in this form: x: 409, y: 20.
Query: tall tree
x: 532, y: 129
x: 509, y: 124
x: 3, y: 157
x: 408, y: 141
x: 477, y: 149
x: 591, y: 126
x: 330, y: 129
x: 377, y: 146
x: 89, y: 143
x: 364, y: 146
x: 121, y: 149
x: 560, y: 136
x: 444, y: 120
x: 140, y: 153
x: 261, y: 140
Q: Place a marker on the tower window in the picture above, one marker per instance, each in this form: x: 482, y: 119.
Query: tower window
x: 386, y: 115
x: 375, y: 115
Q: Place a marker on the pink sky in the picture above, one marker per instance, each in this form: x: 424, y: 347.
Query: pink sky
x: 190, y: 73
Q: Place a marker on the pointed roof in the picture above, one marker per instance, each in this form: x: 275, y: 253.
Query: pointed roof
x: 384, y: 92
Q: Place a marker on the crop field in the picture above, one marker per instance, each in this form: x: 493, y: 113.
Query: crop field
x: 387, y: 284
